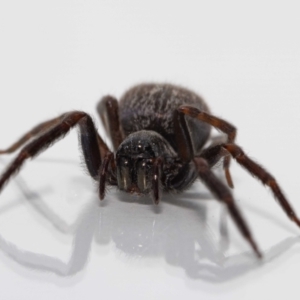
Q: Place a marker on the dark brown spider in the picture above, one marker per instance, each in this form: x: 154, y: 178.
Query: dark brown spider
x: 158, y: 133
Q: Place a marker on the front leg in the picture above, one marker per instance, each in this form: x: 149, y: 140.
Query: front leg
x: 108, y: 110
x: 34, y: 132
x: 90, y: 144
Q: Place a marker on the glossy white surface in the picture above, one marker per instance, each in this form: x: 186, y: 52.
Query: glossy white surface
x: 56, y: 240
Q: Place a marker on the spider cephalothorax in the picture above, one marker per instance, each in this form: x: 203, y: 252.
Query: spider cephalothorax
x: 137, y: 159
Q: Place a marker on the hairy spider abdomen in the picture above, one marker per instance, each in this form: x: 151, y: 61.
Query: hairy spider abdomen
x: 152, y: 107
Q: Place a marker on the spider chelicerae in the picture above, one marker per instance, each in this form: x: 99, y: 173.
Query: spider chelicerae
x: 159, y: 134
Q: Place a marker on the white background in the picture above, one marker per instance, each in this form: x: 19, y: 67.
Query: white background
x: 56, y: 240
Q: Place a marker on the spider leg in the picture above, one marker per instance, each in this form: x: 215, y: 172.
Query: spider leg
x: 265, y: 177
x: 183, y: 137
x: 223, y: 194
x: 108, y: 110
x: 39, y: 129
x: 218, y: 123
x: 107, y: 160
x: 89, y: 143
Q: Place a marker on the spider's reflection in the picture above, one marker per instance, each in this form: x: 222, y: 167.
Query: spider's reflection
x: 179, y: 233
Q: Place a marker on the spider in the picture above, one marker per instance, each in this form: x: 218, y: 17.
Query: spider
x: 159, y: 134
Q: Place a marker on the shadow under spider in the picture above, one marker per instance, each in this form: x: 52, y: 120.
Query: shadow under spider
x: 178, y: 232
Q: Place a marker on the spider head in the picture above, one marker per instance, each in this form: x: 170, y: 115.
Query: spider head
x: 135, y: 157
